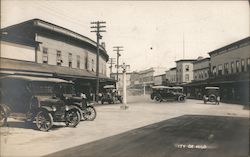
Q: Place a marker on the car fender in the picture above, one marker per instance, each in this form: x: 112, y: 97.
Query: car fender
x: 70, y: 107
x: 74, y: 106
x: 47, y: 108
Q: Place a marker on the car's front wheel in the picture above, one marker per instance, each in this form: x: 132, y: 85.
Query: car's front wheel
x: 90, y: 113
x: 3, y: 117
x: 72, y: 118
x: 44, y: 120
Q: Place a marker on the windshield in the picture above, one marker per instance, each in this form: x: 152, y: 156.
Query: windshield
x: 65, y: 88
x: 41, y: 88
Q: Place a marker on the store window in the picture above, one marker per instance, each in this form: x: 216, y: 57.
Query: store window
x: 45, y: 55
x: 232, y: 67
x: 58, y: 58
x: 93, y: 65
x: 214, y: 70
x: 226, y: 68
x: 242, y: 65
x: 205, y: 74
x: 220, y: 69
x: 187, y: 67
x: 248, y: 64
x: 70, y: 60
x: 86, y: 63
x: 237, y: 66
x: 187, y: 77
x: 78, y: 61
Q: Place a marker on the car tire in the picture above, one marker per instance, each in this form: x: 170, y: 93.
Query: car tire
x: 3, y: 117
x: 72, y: 118
x: 181, y: 99
x: 44, y: 120
x: 89, y: 113
x: 212, y: 98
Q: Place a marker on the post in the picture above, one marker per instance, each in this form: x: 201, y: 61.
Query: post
x: 98, y: 36
x: 124, y: 105
x: 124, y: 88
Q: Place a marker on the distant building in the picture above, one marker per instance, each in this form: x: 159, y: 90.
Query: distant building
x: 201, y: 69
x: 120, y: 80
x: 134, y: 78
x: 184, y: 70
x: 171, y: 76
x: 160, y: 79
x: 147, y: 76
x: 230, y: 67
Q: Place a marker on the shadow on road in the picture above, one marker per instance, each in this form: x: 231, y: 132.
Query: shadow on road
x: 28, y: 125
x: 184, y: 136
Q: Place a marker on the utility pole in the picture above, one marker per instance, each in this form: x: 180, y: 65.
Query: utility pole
x: 98, y: 27
x: 111, y: 62
x: 117, y: 49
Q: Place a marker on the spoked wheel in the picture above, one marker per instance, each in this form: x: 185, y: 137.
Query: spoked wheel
x: 181, y: 99
x: 3, y: 117
x: 72, y: 118
x: 90, y: 113
x: 158, y: 98
x: 212, y: 98
x: 44, y: 120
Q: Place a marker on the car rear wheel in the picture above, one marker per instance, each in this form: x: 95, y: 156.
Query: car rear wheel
x: 72, y: 118
x: 3, y: 117
x: 181, y: 98
x: 44, y: 120
x: 158, y: 98
x: 90, y: 113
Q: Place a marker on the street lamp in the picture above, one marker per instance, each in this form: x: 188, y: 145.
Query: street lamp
x: 124, y: 68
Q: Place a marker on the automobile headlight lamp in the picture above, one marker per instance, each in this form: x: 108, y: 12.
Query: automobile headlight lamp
x: 53, y: 108
x: 66, y: 108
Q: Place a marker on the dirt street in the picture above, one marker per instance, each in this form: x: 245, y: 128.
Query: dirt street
x: 19, y: 139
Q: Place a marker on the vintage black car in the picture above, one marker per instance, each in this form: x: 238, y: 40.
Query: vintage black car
x: 212, y: 94
x: 34, y: 99
x: 110, y: 95
x: 161, y: 93
x: 67, y: 93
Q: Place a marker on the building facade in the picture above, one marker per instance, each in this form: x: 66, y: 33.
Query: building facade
x: 171, y: 76
x: 184, y: 71
x: 230, y: 68
x: 160, y: 79
x: 201, y: 69
x: 51, y: 50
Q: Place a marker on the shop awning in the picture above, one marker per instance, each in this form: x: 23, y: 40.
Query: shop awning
x: 9, y: 66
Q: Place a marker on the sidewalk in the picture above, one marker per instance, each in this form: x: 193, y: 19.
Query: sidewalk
x: 19, y: 140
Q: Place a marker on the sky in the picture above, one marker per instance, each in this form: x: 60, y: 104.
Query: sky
x: 153, y: 33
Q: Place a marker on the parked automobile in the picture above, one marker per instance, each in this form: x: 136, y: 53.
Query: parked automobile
x: 67, y: 93
x: 212, y: 95
x: 110, y: 95
x: 161, y: 93
x: 34, y: 99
